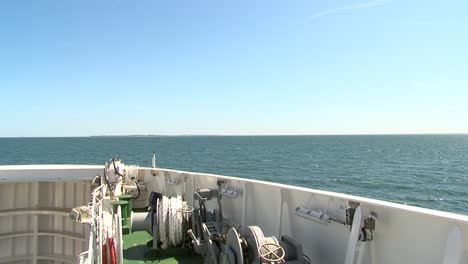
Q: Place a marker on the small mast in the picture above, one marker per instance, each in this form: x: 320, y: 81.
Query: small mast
x: 153, y: 163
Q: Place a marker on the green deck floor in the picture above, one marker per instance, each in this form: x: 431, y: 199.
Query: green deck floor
x: 136, y: 251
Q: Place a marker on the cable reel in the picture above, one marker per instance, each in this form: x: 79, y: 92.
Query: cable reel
x: 255, y: 239
x: 271, y: 253
x: 167, y: 221
x: 232, y: 251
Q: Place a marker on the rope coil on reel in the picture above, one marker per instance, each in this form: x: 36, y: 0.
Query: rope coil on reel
x: 170, y: 221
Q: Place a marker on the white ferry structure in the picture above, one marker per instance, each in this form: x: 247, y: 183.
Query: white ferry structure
x: 115, y: 213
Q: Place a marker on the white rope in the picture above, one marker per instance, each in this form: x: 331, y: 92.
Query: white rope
x: 175, y: 220
x: 170, y: 221
x: 162, y: 217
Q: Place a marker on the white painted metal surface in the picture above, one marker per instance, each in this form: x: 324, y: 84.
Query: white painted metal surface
x: 49, y: 173
x: 33, y: 225
x: 404, y: 234
x: 35, y: 200
x: 454, y: 247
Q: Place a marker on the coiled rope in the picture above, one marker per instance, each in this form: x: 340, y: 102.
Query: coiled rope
x: 170, y: 220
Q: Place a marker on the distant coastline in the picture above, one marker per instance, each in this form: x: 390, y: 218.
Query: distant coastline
x: 240, y: 135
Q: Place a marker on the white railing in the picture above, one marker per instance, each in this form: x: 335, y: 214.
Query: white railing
x: 118, y: 236
x: 95, y: 229
x: 96, y: 235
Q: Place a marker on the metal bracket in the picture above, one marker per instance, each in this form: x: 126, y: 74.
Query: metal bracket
x: 368, y: 228
x: 228, y: 192
x: 369, y: 223
x: 311, y: 214
x: 350, y: 216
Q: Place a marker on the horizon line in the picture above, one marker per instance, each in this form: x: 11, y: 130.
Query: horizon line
x: 240, y: 135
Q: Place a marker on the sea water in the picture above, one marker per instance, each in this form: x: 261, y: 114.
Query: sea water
x: 424, y: 170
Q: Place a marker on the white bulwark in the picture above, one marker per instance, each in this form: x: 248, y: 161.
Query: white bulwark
x: 332, y: 228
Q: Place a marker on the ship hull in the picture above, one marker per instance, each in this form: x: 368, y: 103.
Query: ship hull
x: 35, y: 200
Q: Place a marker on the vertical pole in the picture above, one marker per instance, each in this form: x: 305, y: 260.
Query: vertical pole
x: 353, y: 237
x: 99, y: 219
x: 34, y: 242
x: 280, y: 217
x: 362, y: 251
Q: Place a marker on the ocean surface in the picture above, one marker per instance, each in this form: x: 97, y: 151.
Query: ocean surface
x: 424, y: 170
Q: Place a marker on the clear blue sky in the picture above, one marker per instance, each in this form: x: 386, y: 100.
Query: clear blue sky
x: 78, y: 68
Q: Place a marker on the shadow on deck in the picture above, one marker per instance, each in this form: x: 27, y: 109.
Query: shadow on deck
x: 136, y: 251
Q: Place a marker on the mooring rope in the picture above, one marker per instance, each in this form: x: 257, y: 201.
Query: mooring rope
x: 170, y: 221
